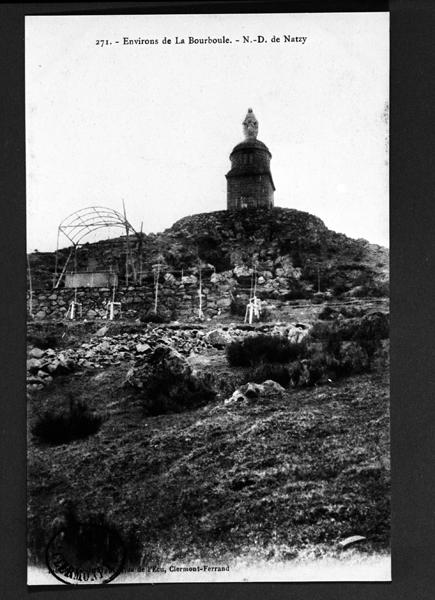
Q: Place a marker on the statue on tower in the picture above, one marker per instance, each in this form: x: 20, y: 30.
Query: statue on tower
x: 250, y: 126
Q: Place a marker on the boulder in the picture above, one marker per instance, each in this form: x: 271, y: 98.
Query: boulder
x: 218, y: 338
x: 33, y: 365
x: 36, y: 353
x: 237, y: 396
x: 140, y: 348
x: 61, y: 366
x: 296, y: 333
x: 224, y: 302
x: 163, y: 361
x: 271, y: 388
x: 192, y: 279
x: 169, y: 360
x: 242, y: 271
x: 252, y: 391
x: 102, y: 331
x: 42, y: 374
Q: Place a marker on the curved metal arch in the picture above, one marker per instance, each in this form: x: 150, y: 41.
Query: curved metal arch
x: 81, y: 223
x: 85, y: 221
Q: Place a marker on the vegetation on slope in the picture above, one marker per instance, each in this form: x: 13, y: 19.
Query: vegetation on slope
x: 271, y: 479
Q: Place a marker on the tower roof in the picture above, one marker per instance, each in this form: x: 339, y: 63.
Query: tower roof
x: 251, y: 144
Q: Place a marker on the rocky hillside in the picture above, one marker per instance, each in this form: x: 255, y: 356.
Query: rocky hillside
x: 293, y: 253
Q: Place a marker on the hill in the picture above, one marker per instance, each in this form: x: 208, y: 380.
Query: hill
x: 294, y: 254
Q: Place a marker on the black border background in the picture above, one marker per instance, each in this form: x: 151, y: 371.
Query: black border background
x: 412, y: 181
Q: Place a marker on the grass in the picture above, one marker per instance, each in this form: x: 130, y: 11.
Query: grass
x: 272, y: 478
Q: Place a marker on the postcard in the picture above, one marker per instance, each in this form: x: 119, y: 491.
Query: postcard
x: 208, y: 298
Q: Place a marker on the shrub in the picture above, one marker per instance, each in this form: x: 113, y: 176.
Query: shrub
x: 371, y: 327
x: 43, y: 341
x: 262, y: 349
x: 321, y: 331
x: 308, y: 372
x: 349, y: 312
x: 318, y: 298
x: 171, y: 392
x: 61, y: 428
x: 353, y: 359
x: 376, y: 290
x: 237, y: 308
x: 327, y: 314
x: 374, y: 326
x: 348, y: 358
x: 297, y: 293
x: 340, y: 288
x: 316, y: 367
x: 266, y: 371
x: 162, y: 316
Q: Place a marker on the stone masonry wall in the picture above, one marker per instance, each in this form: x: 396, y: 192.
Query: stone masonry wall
x: 183, y: 303
x: 181, y: 300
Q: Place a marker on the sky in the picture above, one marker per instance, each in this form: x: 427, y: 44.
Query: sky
x: 153, y: 124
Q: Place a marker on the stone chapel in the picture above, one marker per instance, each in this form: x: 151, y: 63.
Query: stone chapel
x: 249, y: 182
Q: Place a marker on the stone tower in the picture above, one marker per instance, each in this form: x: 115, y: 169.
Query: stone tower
x: 249, y: 182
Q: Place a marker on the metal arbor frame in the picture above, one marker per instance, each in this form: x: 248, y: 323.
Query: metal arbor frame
x: 82, y: 223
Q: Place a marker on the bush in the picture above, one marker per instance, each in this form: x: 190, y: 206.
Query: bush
x: 374, y: 326
x: 376, y: 290
x: 238, y: 308
x: 316, y: 367
x: 321, y: 331
x: 42, y: 341
x: 170, y: 392
x: 327, y: 314
x: 350, y: 312
x: 353, y: 359
x: 348, y: 358
x: 371, y: 327
x: 340, y: 288
x: 263, y: 349
x: 61, y: 428
x: 162, y: 316
x: 266, y: 371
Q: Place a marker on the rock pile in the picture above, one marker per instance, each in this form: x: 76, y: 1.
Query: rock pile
x: 166, y: 382
x: 105, y: 350
x: 43, y: 365
x: 163, y: 359
x: 253, y: 391
x: 294, y: 333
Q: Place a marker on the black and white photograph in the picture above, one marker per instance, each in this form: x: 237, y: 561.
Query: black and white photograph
x: 207, y: 200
